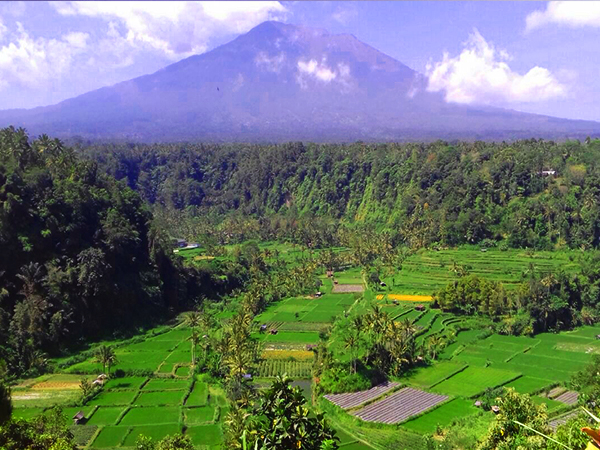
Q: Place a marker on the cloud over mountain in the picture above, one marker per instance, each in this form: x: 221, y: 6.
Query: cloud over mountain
x: 177, y: 29
x: 281, y: 82
x: 481, y: 75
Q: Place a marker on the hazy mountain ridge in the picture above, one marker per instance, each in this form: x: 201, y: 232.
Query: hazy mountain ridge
x: 280, y: 82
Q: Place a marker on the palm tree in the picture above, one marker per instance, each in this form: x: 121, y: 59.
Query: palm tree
x: 351, y: 342
x: 193, y: 319
x: 106, y: 356
x: 194, y: 339
x: 434, y: 345
x: 32, y: 277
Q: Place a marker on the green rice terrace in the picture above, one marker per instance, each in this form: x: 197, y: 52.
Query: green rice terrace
x: 164, y: 402
x: 166, y: 397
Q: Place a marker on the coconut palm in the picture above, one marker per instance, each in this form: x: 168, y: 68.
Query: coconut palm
x: 351, y: 343
x: 434, y: 345
x: 194, y: 339
x: 192, y: 319
x: 106, y: 356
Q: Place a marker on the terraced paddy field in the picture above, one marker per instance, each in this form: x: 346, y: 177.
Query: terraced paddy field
x: 154, y: 405
x: 533, y: 366
x: 441, y: 416
x: 288, y: 252
x: 427, y: 271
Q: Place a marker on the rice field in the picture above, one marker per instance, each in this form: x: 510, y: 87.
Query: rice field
x: 270, y: 368
x: 474, y: 380
x: 153, y: 405
x: 427, y: 377
x: 428, y: 270
x: 441, y: 416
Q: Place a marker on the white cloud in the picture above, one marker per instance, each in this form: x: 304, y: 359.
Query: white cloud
x: 480, y: 74
x: 33, y: 62
x: 568, y: 13
x: 312, y: 68
x: 177, y: 29
x: 345, y: 14
x: 318, y: 70
x: 270, y: 63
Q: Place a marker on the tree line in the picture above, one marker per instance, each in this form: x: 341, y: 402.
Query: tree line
x: 530, y: 193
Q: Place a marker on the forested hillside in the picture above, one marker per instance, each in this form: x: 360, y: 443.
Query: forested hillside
x: 527, y: 194
x: 78, y: 257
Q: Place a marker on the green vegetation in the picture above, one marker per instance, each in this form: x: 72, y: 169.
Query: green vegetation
x: 458, y: 272
x: 441, y: 417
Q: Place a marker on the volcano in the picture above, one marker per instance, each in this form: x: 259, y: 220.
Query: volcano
x: 281, y: 82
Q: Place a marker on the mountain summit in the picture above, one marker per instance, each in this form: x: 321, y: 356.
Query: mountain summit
x: 281, y: 82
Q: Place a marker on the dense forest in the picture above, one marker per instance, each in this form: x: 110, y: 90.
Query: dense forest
x: 79, y: 254
x: 530, y: 193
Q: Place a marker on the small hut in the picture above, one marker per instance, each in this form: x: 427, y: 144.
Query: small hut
x: 495, y: 409
x: 273, y: 331
x: 247, y: 376
x: 598, y: 336
x: 263, y: 328
x: 310, y: 347
x: 78, y: 418
x: 396, y: 302
x: 318, y: 294
x: 382, y: 284
x: 420, y: 307
x: 329, y: 273
x: 478, y: 403
x: 98, y: 382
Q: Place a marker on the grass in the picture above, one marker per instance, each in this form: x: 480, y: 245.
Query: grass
x: 151, y: 415
x: 156, y: 432
x: 110, y: 437
x: 158, y: 384
x: 302, y: 337
x: 182, y: 371
x: 160, y: 398
x: 197, y: 416
x: 26, y: 413
x: 113, y: 398
x: 528, y: 385
x: 205, y: 434
x: 441, y: 416
x: 474, y: 380
x: 106, y: 415
x: 428, y: 376
x: 199, y: 395
x: 128, y: 383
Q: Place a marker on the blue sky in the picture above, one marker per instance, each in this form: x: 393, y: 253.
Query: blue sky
x: 532, y: 56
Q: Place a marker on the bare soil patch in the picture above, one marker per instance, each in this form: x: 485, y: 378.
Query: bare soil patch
x: 343, y: 288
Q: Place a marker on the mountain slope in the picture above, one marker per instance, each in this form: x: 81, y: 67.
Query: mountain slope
x: 281, y: 82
